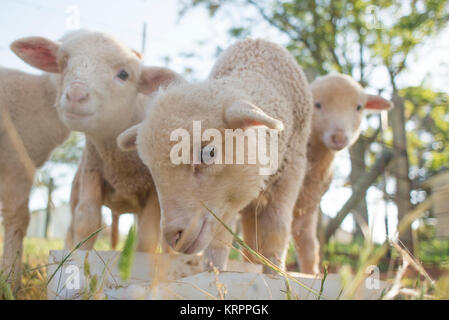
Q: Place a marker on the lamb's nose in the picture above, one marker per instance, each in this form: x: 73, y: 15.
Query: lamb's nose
x: 77, y: 94
x: 339, y: 139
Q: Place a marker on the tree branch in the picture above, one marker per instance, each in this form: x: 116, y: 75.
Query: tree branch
x: 358, y: 190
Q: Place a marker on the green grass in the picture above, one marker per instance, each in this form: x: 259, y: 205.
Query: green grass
x: 35, y: 259
x: 337, y: 256
x: 433, y: 252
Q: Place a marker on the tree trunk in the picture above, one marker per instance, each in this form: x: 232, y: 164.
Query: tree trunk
x: 401, y: 166
x: 358, y: 167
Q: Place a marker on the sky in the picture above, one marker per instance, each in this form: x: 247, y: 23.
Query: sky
x: 191, y: 43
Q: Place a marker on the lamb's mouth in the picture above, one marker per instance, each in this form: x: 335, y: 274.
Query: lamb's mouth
x: 194, y: 245
x: 72, y: 115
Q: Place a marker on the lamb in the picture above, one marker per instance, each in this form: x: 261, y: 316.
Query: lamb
x: 100, y: 94
x: 29, y: 131
x: 255, y: 86
x: 339, y: 104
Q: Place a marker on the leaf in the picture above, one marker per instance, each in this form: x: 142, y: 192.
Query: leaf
x: 126, y: 260
x: 86, y: 265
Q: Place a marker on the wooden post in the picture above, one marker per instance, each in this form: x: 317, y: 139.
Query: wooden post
x: 51, y: 187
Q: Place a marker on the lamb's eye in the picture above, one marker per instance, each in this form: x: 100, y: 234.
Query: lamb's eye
x: 317, y: 105
x: 208, y: 154
x: 123, y: 75
x: 359, y: 107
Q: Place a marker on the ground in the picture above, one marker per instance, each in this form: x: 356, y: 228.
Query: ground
x: 337, y: 257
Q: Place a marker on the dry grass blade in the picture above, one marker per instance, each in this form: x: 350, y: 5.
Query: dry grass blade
x: 265, y: 261
x: 375, y: 256
x: 406, y: 256
x: 72, y: 251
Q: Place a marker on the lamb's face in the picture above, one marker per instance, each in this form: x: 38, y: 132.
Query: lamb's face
x: 100, y: 79
x: 187, y: 191
x: 339, y: 105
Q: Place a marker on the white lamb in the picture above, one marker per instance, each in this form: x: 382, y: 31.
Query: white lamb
x: 255, y: 85
x: 29, y: 131
x: 339, y: 105
x: 100, y: 94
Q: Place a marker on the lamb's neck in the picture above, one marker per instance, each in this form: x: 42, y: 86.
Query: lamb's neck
x: 105, y: 145
x: 107, y: 138
x: 320, y: 156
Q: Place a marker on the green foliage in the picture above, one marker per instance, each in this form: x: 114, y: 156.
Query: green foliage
x: 429, y: 252
x: 70, y: 151
x: 337, y: 254
x: 427, y: 111
x: 435, y: 251
x: 125, y: 263
x: 412, y: 23
x: 344, y: 35
x: 5, y: 289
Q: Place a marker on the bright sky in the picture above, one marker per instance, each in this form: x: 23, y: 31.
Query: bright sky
x: 167, y: 36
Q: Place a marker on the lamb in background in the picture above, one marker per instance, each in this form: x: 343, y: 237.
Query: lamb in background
x: 100, y: 94
x: 29, y: 131
x: 254, y: 84
x: 339, y: 104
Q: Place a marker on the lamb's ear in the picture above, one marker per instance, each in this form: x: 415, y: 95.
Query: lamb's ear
x: 126, y: 141
x: 152, y: 78
x: 243, y: 114
x: 38, y: 52
x: 375, y: 102
x: 137, y: 53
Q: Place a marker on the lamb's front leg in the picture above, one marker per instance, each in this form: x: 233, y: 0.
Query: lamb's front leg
x: 267, y: 228
x: 149, y: 226
x: 217, y: 253
x: 86, y: 218
x: 15, y: 188
x: 304, y: 230
x: 16, y: 223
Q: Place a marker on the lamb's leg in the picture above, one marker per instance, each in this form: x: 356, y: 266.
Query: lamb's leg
x: 249, y: 228
x: 16, y: 223
x: 304, y: 230
x: 87, y: 216
x: 149, y: 226
x: 273, y: 219
x: 217, y: 253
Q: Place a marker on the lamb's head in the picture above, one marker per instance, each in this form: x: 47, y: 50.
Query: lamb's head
x: 339, y: 105
x: 100, y: 80
x: 188, y: 163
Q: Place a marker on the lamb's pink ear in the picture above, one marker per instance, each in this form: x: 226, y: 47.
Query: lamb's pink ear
x: 152, y: 78
x: 126, y: 141
x: 137, y: 53
x: 38, y: 52
x: 375, y: 102
x: 243, y: 114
